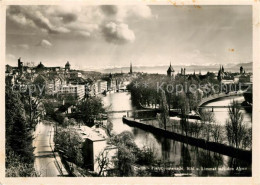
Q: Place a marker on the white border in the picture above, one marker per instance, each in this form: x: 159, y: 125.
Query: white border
x: 255, y: 179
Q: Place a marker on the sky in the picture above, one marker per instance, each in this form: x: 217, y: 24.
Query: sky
x: 97, y: 37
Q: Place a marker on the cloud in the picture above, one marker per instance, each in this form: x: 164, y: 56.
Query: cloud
x: 68, y: 17
x: 83, y: 33
x: 11, y: 56
x: 120, y: 13
x: 45, y: 43
x: 33, y: 16
x: 85, y: 21
x: 141, y: 11
x: 109, y: 9
x: 21, y: 46
x: 118, y: 33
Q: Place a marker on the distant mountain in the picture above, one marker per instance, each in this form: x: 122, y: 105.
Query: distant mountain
x: 189, y: 69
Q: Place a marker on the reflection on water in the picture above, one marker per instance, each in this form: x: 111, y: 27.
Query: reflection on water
x: 191, y: 159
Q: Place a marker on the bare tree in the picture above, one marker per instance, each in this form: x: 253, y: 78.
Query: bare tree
x: 164, y: 115
x: 207, y: 118
x: 235, y: 127
x: 103, y: 161
x: 217, y: 132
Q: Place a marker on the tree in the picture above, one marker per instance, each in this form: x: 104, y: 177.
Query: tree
x: 15, y: 167
x: 164, y: 112
x: 103, y: 161
x: 127, y: 151
x: 109, y: 126
x: 18, y: 131
x: 70, y: 141
x: 34, y: 109
x: 235, y: 128
x: 146, y: 156
x: 184, y: 107
x: 217, y: 132
x: 90, y: 108
x: 207, y: 118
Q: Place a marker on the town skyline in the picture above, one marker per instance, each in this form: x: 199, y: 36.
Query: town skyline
x: 112, y: 36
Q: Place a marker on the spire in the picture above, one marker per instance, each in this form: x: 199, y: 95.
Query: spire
x: 131, y: 68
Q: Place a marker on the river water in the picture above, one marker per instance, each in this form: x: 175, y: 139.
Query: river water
x: 221, y: 114
x: 187, y: 158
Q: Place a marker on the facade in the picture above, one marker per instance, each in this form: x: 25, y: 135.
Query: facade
x: 94, y: 144
x: 100, y: 86
x: 75, y: 74
x: 74, y: 90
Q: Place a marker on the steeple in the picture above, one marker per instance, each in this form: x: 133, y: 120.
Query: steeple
x: 170, y: 71
x: 131, y: 68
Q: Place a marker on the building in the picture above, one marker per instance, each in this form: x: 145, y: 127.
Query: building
x: 94, y: 143
x: 221, y: 73
x: 100, y: 86
x: 75, y: 74
x: 67, y: 66
x: 170, y: 72
x: 75, y: 90
x: 20, y: 65
x: 131, y: 68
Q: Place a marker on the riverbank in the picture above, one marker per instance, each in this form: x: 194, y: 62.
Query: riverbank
x: 211, y: 146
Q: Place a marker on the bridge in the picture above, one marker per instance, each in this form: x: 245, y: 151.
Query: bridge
x: 123, y: 111
x: 220, y: 107
x: 217, y: 96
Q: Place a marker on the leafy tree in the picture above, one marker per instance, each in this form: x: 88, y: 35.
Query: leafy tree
x: 18, y: 134
x: 15, y: 167
x: 127, y: 151
x: 70, y: 141
x: 109, y: 126
x: 90, y: 108
x: 146, y: 156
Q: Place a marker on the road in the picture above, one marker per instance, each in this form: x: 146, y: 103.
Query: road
x: 45, y: 162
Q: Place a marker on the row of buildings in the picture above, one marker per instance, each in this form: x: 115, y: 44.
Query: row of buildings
x: 61, y: 81
x: 222, y: 76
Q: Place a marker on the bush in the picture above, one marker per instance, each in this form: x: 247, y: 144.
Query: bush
x: 15, y: 166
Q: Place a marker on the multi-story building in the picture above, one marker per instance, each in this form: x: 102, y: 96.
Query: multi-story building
x: 94, y: 144
x: 75, y: 90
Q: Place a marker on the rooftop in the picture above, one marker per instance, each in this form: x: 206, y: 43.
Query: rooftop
x: 89, y: 133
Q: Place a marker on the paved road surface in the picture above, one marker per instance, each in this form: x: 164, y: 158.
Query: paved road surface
x: 45, y: 162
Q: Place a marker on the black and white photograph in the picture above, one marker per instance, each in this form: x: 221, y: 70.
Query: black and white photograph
x: 128, y: 90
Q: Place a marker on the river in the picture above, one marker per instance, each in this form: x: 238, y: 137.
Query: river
x: 191, y: 159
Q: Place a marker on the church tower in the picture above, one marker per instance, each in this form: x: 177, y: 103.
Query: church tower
x: 170, y: 72
x: 20, y: 65
x: 131, y: 68
x: 67, y: 66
